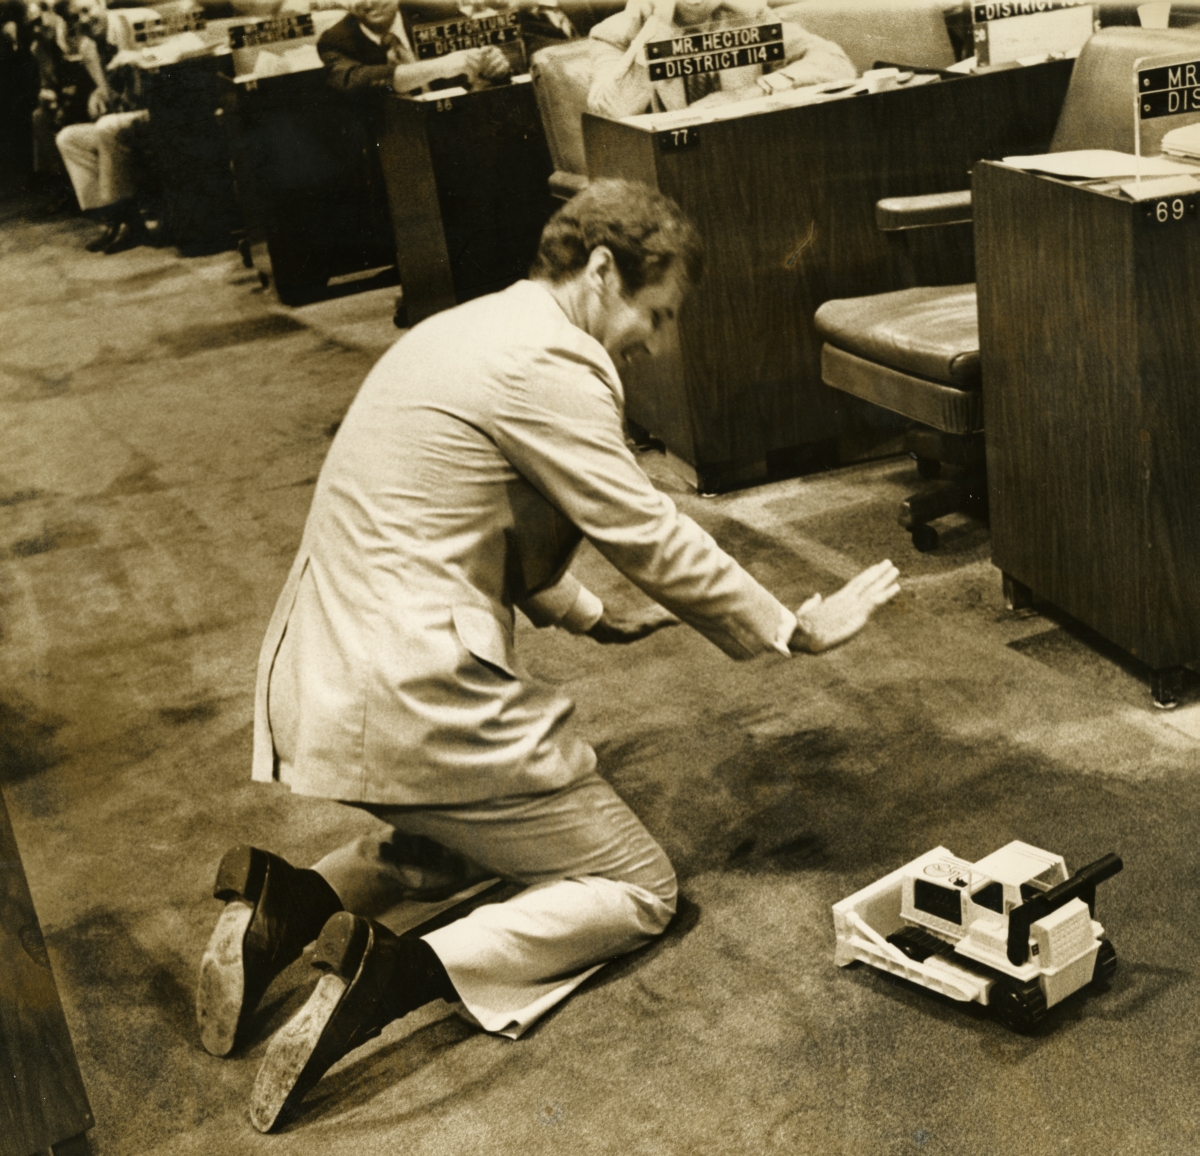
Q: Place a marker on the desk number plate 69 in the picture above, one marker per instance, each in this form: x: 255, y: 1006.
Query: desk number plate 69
x: 677, y: 138
x: 1170, y: 210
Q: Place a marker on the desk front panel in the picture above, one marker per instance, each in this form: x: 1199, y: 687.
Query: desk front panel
x: 467, y: 186
x: 1091, y: 372
x: 307, y: 170
x: 786, y: 204
x: 191, y: 152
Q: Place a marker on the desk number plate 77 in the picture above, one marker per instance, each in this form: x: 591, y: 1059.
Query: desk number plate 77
x: 677, y: 138
x: 1170, y: 210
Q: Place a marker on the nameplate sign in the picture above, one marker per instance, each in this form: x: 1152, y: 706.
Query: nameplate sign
x: 150, y: 32
x: 294, y: 27
x: 434, y: 40
x: 696, y: 53
x: 1009, y: 30
x: 1007, y: 9
x: 1169, y: 90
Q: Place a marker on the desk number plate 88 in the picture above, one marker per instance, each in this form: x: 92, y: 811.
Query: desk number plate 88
x: 1170, y: 210
x: 677, y: 138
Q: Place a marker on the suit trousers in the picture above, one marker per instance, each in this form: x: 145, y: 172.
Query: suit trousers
x: 599, y: 886
x: 99, y: 158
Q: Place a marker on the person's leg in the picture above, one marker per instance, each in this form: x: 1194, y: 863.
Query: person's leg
x: 81, y: 155
x: 117, y: 177
x: 600, y: 886
x: 116, y: 172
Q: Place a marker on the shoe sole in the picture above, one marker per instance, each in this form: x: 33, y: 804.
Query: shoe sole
x: 288, y: 1069
x: 221, y: 988
x: 309, y: 1044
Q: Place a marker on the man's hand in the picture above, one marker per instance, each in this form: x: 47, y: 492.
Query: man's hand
x: 619, y: 628
x: 821, y: 624
x: 97, y: 104
x: 490, y: 62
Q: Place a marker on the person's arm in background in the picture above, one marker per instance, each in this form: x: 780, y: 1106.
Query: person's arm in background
x: 621, y: 83
x: 102, y: 98
x: 810, y: 59
x: 488, y: 63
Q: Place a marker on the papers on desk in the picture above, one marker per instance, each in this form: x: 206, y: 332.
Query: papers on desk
x: 749, y: 102
x: 1183, y: 142
x: 268, y: 63
x: 1152, y: 190
x: 174, y: 49
x: 1097, y: 165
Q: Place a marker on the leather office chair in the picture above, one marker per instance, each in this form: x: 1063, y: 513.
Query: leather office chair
x: 562, y: 76
x: 916, y: 351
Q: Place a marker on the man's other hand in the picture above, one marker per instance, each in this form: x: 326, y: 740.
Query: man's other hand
x: 629, y: 627
x: 822, y: 623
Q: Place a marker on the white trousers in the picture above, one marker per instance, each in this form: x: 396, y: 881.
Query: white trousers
x: 99, y: 158
x: 599, y: 886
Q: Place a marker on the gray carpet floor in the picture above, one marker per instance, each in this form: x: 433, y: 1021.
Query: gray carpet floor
x: 162, y: 425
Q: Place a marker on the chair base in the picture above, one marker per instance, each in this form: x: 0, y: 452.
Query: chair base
x: 966, y: 488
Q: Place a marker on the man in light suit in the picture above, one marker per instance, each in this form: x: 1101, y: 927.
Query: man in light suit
x: 621, y: 84
x: 477, y: 454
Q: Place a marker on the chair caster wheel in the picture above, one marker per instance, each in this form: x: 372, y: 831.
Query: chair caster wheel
x: 924, y: 539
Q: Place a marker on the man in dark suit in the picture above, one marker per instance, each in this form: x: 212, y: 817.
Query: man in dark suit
x: 369, y: 49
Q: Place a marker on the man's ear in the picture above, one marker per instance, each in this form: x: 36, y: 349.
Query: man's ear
x: 600, y: 266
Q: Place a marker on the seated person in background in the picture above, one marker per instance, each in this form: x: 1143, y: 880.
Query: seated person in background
x: 65, y: 79
x: 100, y: 155
x: 369, y: 49
x: 621, y: 84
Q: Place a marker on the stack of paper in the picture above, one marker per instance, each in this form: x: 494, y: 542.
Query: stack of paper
x: 1183, y: 142
x: 1097, y: 165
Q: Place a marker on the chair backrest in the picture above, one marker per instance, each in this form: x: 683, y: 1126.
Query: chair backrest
x: 1098, y: 110
x: 896, y: 31
x: 562, y: 76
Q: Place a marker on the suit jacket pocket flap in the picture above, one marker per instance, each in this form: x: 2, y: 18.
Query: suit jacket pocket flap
x: 483, y: 636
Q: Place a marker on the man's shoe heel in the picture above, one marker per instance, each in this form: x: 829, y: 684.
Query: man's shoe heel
x: 241, y: 874
x: 221, y: 988
x: 341, y: 944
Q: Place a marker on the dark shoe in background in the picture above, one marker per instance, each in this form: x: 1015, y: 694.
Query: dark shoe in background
x: 272, y: 912
x: 101, y: 242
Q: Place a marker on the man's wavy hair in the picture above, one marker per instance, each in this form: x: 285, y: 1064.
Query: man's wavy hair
x: 647, y: 234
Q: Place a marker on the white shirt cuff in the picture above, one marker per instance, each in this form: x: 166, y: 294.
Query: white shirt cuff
x: 584, y: 613
x: 787, y: 627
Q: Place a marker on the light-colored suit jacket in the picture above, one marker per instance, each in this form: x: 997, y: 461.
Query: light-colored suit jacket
x: 478, y: 450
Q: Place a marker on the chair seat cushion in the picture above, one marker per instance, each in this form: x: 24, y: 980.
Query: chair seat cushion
x: 930, y: 332
x: 932, y: 403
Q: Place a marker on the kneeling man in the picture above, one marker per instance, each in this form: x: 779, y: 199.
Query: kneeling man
x: 479, y: 452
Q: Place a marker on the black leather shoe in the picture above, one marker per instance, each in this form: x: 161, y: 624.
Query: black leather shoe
x: 105, y: 238
x: 129, y: 235
x: 272, y: 911
x: 371, y: 977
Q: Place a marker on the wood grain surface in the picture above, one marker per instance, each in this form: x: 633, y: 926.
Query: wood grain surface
x: 467, y: 185
x: 191, y: 152
x: 1089, y: 353
x: 309, y: 181
x: 786, y: 203
x: 42, y: 1098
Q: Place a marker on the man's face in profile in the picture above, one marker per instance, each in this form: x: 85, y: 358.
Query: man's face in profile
x: 378, y: 15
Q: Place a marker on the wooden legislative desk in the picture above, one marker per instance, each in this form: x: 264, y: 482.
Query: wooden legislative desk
x: 467, y: 187
x: 1090, y: 354
x: 43, y: 1104
x: 191, y: 153
x: 307, y: 172
x: 786, y: 203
